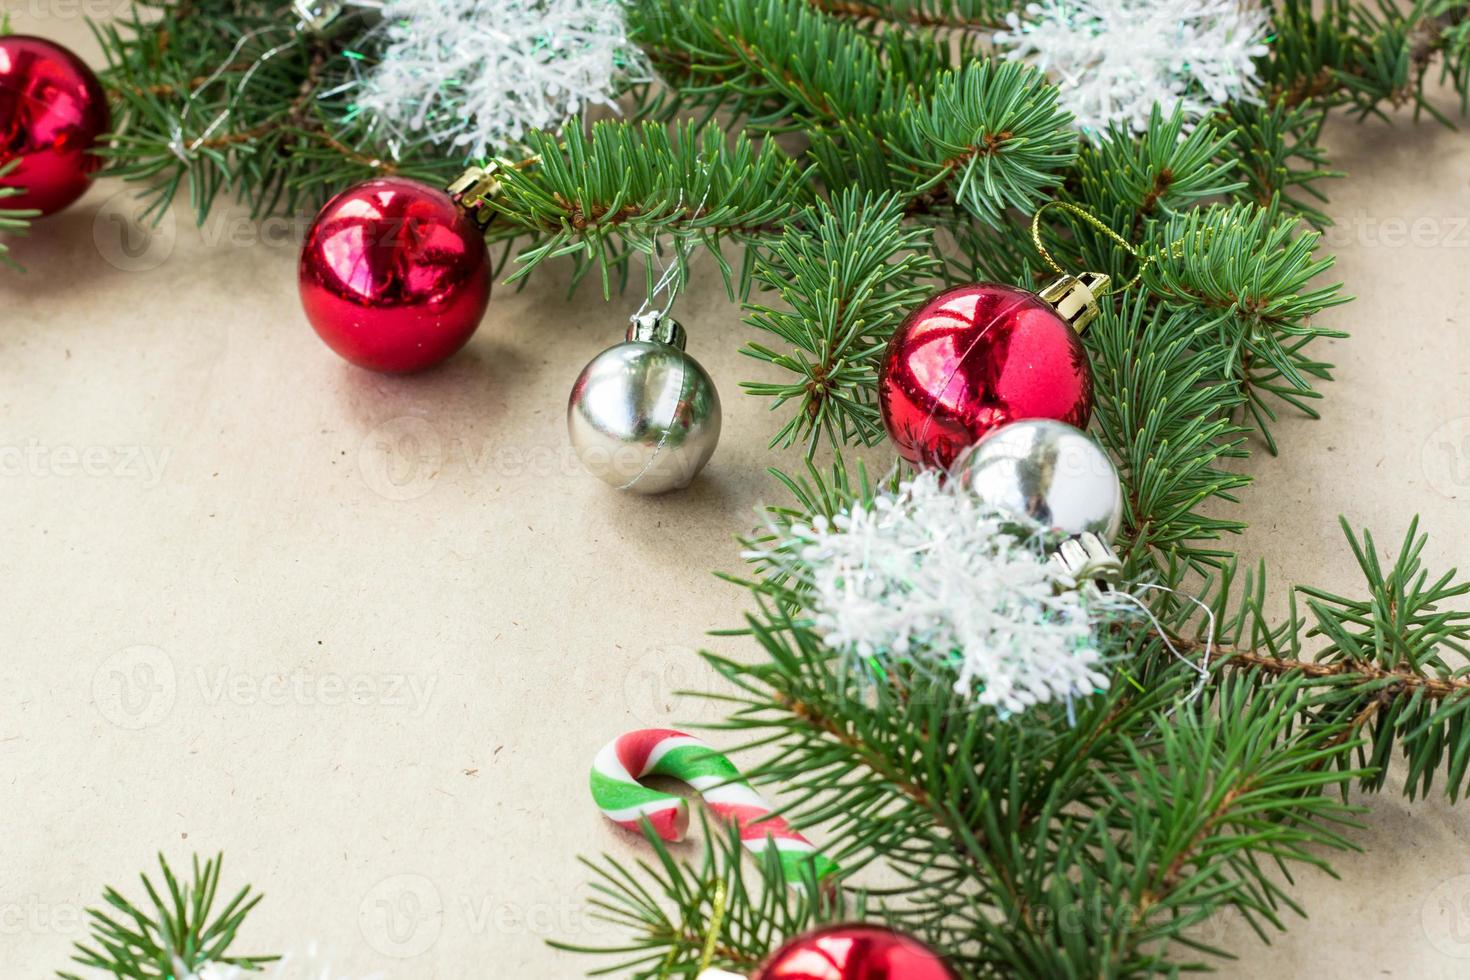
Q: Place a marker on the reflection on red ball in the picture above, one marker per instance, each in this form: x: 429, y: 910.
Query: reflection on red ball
x: 855, y: 952
x: 52, y: 112
x: 394, y: 276
x: 974, y: 358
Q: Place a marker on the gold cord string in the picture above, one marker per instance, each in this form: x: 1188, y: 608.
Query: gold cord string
x: 1176, y: 248
x: 1097, y: 223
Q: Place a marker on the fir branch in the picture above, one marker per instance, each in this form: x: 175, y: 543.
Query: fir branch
x: 1361, y: 56
x: 178, y: 930
x: 1164, y: 412
x: 779, y: 64
x: 1131, y: 181
x: 894, y: 771
x: 821, y: 70
x: 1251, y: 266
x: 988, y: 822
x: 849, y: 271
x: 13, y: 222
x: 1401, y: 681
x: 1204, y: 806
x: 1385, y: 659
x: 631, y: 187
x: 222, y: 97
x: 672, y: 915
x: 991, y: 134
x: 1276, y: 149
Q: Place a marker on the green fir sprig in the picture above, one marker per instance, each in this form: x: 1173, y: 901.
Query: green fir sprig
x: 734, y: 910
x: 846, y: 270
x: 173, y: 934
x: 14, y: 222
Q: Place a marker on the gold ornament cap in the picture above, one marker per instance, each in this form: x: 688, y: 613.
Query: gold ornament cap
x: 316, y: 15
x: 1075, y: 297
x: 473, y: 191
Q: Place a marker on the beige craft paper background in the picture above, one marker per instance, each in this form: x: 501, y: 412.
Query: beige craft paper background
x: 364, y: 634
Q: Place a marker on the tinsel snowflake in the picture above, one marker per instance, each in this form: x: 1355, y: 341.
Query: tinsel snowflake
x: 480, y: 74
x: 1115, y: 59
x: 927, y: 576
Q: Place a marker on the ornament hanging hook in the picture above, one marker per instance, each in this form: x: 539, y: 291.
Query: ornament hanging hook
x: 684, y: 252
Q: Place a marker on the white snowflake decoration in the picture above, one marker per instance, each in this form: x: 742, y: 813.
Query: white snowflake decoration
x: 928, y: 575
x: 480, y: 74
x: 1115, y: 59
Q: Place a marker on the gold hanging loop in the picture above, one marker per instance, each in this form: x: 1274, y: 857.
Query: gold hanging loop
x: 1094, y: 221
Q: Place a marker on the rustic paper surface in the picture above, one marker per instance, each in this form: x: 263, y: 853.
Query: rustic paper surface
x: 364, y: 634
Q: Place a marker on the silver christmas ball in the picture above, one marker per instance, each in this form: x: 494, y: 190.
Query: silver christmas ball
x: 644, y: 416
x: 1047, y: 471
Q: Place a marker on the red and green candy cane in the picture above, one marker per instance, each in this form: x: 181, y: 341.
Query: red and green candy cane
x: 664, y: 752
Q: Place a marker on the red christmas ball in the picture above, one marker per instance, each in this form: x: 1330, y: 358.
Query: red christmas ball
x: 976, y: 357
x: 855, y: 952
x: 394, y: 276
x: 52, y: 112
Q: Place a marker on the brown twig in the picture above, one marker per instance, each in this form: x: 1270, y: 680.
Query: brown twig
x: 694, y: 940
x: 1402, y: 679
x: 192, y: 85
x: 860, y: 10
x: 295, y: 118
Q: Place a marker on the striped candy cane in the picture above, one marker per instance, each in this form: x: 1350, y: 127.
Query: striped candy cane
x: 664, y: 752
